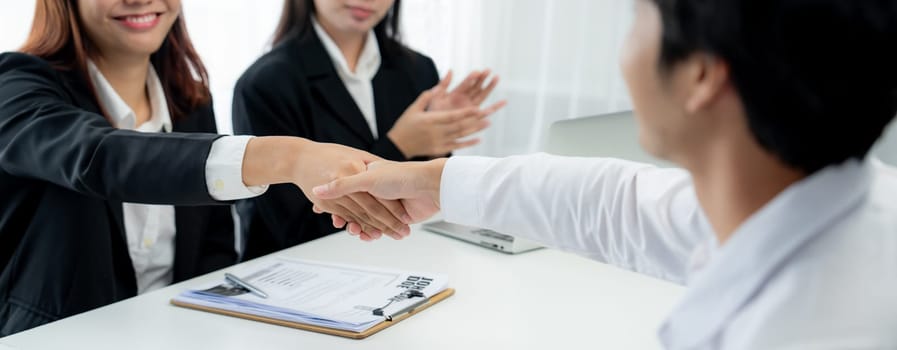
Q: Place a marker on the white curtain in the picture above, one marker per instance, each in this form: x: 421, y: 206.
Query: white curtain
x: 557, y: 58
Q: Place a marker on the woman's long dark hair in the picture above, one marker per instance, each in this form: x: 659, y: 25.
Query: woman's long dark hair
x: 295, y: 19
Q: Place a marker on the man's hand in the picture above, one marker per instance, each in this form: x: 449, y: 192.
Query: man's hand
x: 272, y: 160
x: 415, y: 184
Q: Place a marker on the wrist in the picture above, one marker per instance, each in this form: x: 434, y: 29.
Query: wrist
x: 433, y: 178
x: 273, y: 160
x: 295, y: 153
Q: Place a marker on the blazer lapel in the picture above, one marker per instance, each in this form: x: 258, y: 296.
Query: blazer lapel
x: 331, y: 90
x: 392, y: 90
x: 326, y: 85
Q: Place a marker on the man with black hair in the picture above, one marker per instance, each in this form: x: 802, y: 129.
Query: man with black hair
x: 782, y: 228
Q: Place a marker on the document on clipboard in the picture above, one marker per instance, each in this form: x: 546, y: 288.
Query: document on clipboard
x: 336, y: 299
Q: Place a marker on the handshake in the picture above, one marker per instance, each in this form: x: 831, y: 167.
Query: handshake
x: 371, y: 197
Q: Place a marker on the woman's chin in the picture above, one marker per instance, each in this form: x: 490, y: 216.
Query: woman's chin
x: 136, y: 48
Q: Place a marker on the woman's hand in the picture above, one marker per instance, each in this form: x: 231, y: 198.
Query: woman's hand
x: 420, y: 132
x: 415, y: 184
x: 470, y: 93
x: 273, y: 160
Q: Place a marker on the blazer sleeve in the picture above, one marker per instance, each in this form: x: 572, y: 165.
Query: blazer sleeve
x: 45, y: 136
x: 217, y: 245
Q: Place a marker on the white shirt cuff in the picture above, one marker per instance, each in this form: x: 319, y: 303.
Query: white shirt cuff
x: 461, y: 195
x: 224, y: 170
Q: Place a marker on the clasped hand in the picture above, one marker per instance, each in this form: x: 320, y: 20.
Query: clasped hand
x: 415, y: 185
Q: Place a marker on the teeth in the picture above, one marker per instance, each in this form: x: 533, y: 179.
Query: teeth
x: 141, y: 19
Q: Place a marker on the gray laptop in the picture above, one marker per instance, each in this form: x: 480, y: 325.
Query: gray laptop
x: 607, y: 135
x: 482, y: 237
x: 616, y: 135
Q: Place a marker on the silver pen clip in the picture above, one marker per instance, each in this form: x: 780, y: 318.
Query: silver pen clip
x: 252, y: 289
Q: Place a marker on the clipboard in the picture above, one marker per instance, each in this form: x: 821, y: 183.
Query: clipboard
x: 324, y: 330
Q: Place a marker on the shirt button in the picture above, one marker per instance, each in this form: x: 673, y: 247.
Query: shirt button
x: 219, y: 185
x: 147, y: 242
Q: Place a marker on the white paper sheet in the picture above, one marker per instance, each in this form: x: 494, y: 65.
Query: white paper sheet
x: 330, y: 295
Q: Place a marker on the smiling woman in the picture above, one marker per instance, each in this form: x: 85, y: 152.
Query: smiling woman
x: 126, y: 36
x: 112, y: 179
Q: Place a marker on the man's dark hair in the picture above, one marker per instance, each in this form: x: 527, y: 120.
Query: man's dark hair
x: 818, y: 78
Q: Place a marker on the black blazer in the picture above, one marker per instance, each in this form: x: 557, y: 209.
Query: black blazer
x: 64, y: 173
x: 295, y: 90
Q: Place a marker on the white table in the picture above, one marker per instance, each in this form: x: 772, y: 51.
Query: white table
x: 544, y: 299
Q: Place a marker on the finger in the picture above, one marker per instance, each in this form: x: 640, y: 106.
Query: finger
x: 391, y: 225
x: 316, y: 209
x: 364, y: 218
x: 346, y: 216
x: 495, y: 107
x: 353, y: 222
x: 373, y: 232
x: 422, y: 101
x: 483, y: 94
x: 478, y: 84
x: 343, y: 186
x: 354, y: 229
x: 468, y: 83
x: 455, y: 115
x: 338, y: 221
x: 397, y: 209
x: 446, y: 81
x: 369, y: 234
x: 469, y: 127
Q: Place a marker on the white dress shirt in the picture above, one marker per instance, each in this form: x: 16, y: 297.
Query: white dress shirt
x: 358, y: 83
x: 150, y: 229
x: 816, y: 268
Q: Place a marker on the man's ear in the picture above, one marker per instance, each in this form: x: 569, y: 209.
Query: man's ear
x: 708, y: 78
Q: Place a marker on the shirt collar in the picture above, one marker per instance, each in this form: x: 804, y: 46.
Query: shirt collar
x: 368, y: 62
x: 122, y: 116
x: 740, y: 268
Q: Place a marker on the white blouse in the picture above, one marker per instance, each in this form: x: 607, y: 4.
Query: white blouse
x: 358, y: 83
x: 150, y: 229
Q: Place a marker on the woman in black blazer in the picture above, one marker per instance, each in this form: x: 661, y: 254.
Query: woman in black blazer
x: 338, y: 74
x: 112, y: 181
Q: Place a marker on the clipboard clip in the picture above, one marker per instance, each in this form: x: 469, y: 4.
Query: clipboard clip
x: 408, y: 294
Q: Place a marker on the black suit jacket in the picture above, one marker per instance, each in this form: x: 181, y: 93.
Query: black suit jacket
x: 295, y: 90
x: 64, y: 173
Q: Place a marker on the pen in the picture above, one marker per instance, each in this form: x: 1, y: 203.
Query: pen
x: 407, y: 309
x: 233, y: 279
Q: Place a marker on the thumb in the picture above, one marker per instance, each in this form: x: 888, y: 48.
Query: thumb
x: 422, y: 101
x: 343, y: 186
